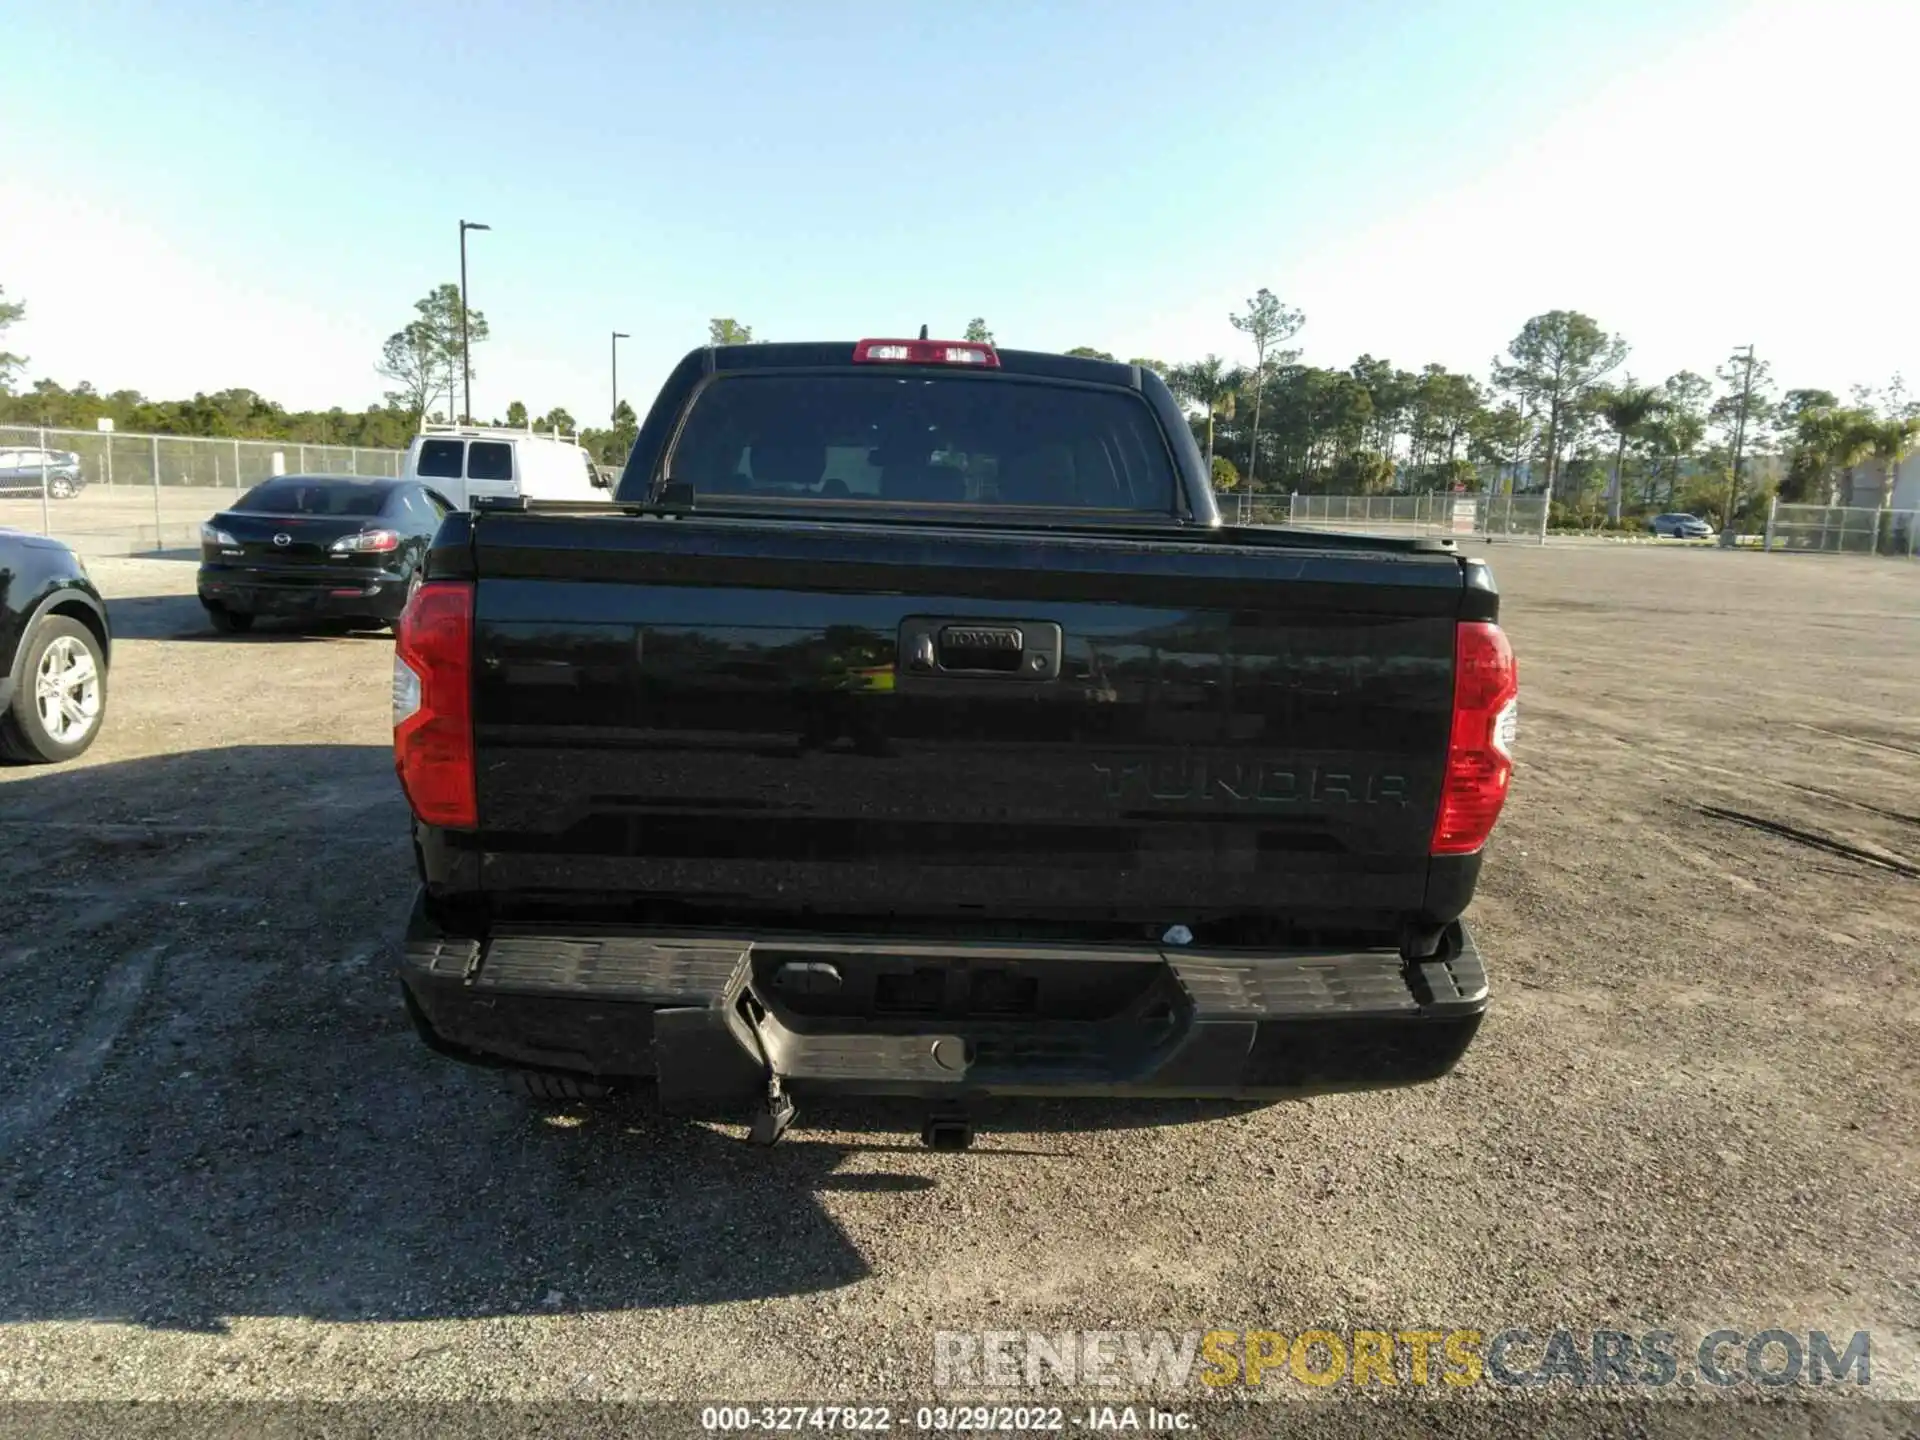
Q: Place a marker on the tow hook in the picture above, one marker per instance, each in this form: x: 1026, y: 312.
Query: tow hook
x: 771, y: 1116
x: 947, y: 1130
x: 774, y: 1113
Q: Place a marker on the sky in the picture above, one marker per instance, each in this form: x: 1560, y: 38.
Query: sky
x: 198, y: 196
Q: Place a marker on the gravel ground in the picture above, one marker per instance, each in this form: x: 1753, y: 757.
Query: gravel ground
x: 228, y: 1169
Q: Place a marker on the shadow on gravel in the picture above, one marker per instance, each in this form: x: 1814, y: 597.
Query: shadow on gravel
x: 155, y: 617
x: 180, y: 617
x: 212, y: 1104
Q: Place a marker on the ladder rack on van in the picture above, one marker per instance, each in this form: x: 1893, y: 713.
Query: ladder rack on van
x: 439, y: 427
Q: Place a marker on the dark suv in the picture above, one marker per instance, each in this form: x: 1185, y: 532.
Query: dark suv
x: 54, y: 645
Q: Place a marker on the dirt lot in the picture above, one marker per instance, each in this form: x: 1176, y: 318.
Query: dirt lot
x: 227, y: 1168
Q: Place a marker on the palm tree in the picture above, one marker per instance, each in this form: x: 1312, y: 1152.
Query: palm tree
x: 1222, y: 409
x: 1626, y: 410
x: 1890, y: 442
x: 1829, y: 441
x: 1675, y: 435
x: 1210, y: 384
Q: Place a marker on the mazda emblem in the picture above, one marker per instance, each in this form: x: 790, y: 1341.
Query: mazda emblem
x: 283, y: 538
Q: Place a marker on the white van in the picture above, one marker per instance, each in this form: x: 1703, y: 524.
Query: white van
x: 462, y: 461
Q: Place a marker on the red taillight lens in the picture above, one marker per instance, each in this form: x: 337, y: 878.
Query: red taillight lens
x: 1486, y: 689
x: 433, y: 704
x: 926, y: 352
x: 367, y: 541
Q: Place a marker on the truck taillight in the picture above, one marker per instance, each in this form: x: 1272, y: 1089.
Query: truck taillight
x: 433, y: 704
x: 1486, y: 689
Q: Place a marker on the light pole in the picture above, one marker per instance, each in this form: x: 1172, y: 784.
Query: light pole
x: 618, y: 336
x: 1739, y: 444
x: 466, y: 362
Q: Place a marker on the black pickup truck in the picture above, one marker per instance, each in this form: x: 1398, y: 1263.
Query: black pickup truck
x: 907, y: 723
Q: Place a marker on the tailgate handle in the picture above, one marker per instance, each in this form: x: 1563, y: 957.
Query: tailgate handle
x: 1016, y: 650
x: 999, y: 648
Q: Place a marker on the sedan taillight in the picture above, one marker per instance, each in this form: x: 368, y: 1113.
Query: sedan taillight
x: 367, y: 542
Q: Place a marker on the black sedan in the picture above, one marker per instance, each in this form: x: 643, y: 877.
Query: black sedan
x: 54, y: 643
x: 317, y: 547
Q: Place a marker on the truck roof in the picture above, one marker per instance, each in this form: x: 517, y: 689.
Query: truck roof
x: 637, y: 486
x: 790, y: 355
x: 840, y: 357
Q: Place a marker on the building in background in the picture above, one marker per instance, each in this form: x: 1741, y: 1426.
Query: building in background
x: 1862, y: 485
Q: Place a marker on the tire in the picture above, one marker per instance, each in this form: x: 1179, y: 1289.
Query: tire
x: 62, y: 699
x: 564, y: 1089
x: 60, y: 488
x: 229, y: 622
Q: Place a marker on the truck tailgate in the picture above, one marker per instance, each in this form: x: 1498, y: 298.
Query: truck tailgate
x: 1010, y: 726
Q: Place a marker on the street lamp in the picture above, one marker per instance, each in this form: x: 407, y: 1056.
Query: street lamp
x: 1727, y: 536
x: 466, y: 362
x: 618, y: 336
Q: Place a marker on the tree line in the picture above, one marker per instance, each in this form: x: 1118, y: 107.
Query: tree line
x: 238, y: 413
x: 1556, y: 413
x: 421, y: 360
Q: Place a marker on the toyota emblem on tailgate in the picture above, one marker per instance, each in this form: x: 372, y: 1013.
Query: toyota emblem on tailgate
x: 283, y: 538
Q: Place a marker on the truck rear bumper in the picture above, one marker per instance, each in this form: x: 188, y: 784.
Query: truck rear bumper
x: 695, y: 1012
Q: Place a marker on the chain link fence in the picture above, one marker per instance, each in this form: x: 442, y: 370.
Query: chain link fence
x: 1506, y: 517
x: 1842, y: 530
x: 114, y: 493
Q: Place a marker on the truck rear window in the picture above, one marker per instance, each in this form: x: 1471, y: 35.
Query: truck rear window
x: 952, y: 439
